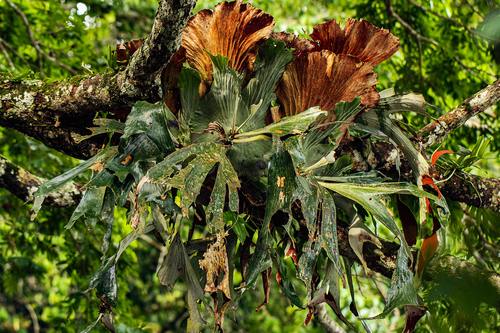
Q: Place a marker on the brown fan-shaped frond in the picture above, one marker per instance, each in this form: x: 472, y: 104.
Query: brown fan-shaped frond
x: 234, y: 30
x: 125, y: 51
x: 324, y: 79
x: 359, y: 38
x: 301, y: 46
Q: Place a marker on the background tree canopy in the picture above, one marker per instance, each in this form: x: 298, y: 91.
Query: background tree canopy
x: 449, y: 51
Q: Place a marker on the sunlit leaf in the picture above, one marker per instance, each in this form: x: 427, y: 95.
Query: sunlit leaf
x: 104, y: 126
x: 288, y: 125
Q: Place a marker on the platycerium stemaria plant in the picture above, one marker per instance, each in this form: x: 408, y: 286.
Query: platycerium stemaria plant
x: 249, y: 128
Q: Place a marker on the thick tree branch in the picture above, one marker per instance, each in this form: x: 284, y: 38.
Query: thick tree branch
x: 464, y: 280
x: 158, y: 48
x: 163, y: 41
x: 463, y: 187
x: 435, y: 132
x: 56, y: 112
x: 327, y: 322
x: 23, y: 184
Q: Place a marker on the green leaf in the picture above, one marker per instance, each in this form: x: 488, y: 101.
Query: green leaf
x: 344, y: 112
x: 226, y: 176
x: 223, y: 103
x: 54, y: 184
x: 402, y: 290
x: 328, y: 234
x: 140, y: 151
x: 189, y: 180
x: 104, y: 126
x: 307, y: 264
x: 288, y: 125
x: 269, y: 68
x: 250, y: 159
x: 371, y: 197
x: 108, y: 215
x: 107, y: 288
x: 189, y: 85
x: 155, y: 193
x: 90, y: 207
x: 111, y: 261
x: 238, y: 226
x: 177, y: 264
x: 161, y: 172
x: 286, y: 284
x: 369, y: 177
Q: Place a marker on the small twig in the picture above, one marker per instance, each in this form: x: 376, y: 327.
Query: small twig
x: 11, y: 49
x: 36, y: 45
x: 474, y: 10
x: 419, y: 43
x: 472, y: 31
x: 408, y: 27
x: 33, y: 316
x: 468, y: 69
x: 6, y: 55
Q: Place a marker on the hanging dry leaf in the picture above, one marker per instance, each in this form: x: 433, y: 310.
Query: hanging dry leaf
x: 215, y: 263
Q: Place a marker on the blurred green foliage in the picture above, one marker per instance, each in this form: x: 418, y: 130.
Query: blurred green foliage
x: 44, y: 268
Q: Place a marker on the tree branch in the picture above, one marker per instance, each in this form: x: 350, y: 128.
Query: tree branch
x: 435, y: 132
x: 6, y: 55
x: 11, y: 49
x: 328, y: 324
x: 23, y: 184
x: 462, y: 187
x: 159, y: 47
x: 56, y: 112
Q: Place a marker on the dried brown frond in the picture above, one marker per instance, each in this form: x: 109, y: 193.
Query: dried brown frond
x: 359, y: 38
x: 324, y: 79
x: 234, y: 30
x: 125, y: 51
